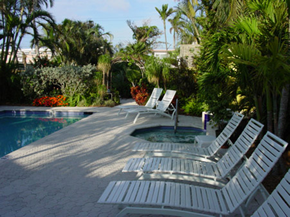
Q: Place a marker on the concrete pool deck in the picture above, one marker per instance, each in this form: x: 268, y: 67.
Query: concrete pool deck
x: 65, y: 173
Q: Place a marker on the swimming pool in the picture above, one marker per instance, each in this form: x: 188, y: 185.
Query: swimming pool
x: 166, y: 134
x: 20, y: 128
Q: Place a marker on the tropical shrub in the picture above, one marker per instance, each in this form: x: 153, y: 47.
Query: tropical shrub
x: 109, y: 103
x: 140, y: 94
x: 192, y: 106
x: 141, y: 98
x: 71, y: 81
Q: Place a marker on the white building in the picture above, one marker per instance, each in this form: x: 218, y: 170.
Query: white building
x: 161, y: 53
x: 29, y: 54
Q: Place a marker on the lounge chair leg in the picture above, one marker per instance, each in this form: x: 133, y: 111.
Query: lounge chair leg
x: 127, y: 115
x: 120, y: 111
x: 136, y: 117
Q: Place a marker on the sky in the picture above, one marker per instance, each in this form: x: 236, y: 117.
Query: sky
x: 112, y: 16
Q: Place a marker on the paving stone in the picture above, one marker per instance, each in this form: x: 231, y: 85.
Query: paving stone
x: 65, y: 173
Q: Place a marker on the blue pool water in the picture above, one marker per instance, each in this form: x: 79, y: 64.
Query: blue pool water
x: 166, y: 134
x: 20, y: 128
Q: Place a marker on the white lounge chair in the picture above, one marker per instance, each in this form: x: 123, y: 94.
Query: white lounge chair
x: 278, y: 203
x: 180, y: 199
x: 164, y: 107
x: 199, y: 171
x: 189, y: 150
x: 151, y: 103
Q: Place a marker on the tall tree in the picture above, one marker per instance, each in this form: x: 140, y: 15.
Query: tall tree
x: 164, y: 13
x: 76, y: 42
x: 36, y: 5
x: 138, y: 51
x: 176, y: 27
x: 145, y: 34
x: 16, y: 22
x: 190, y: 28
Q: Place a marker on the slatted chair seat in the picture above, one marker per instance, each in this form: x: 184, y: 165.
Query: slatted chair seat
x: 213, y: 170
x: 278, y: 203
x: 191, y: 149
x: 181, y: 199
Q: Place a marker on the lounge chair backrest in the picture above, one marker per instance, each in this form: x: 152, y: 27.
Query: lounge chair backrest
x: 226, y: 133
x: 240, y: 147
x: 253, y: 172
x: 278, y: 203
x: 152, y: 101
x: 166, y: 100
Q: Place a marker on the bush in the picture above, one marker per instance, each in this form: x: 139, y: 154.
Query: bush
x: 140, y: 94
x: 70, y: 81
x: 98, y: 102
x: 192, y: 106
x: 109, y: 103
x: 116, y: 97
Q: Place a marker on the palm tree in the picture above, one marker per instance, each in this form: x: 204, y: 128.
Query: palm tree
x: 176, y: 26
x: 164, y: 14
x: 145, y: 34
x: 16, y: 23
x: 77, y: 42
x: 135, y: 53
x: 265, y: 53
x: 35, y: 5
x: 228, y: 11
x: 187, y: 9
x: 104, y: 64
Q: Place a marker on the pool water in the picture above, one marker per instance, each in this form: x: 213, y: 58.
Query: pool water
x: 20, y: 128
x: 166, y: 134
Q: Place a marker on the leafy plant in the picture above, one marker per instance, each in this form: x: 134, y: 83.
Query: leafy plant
x: 193, y: 106
x: 109, y: 103
x: 72, y: 81
x: 140, y: 94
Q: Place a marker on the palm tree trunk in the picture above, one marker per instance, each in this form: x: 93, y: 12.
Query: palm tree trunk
x: 283, y: 111
x: 111, y: 80
x: 275, y: 112
x: 104, y: 78
x: 174, y: 40
x: 269, y: 109
x: 165, y: 34
x: 281, y: 124
x: 258, y: 108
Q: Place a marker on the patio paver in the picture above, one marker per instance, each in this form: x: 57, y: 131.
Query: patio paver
x: 65, y: 173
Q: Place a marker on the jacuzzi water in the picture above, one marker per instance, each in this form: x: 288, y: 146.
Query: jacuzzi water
x: 166, y: 134
x: 20, y: 128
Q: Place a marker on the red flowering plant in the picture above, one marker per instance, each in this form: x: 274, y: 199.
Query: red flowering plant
x: 140, y: 94
x: 50, y: 101
x: 141, y: 98
x: 134, y: 91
